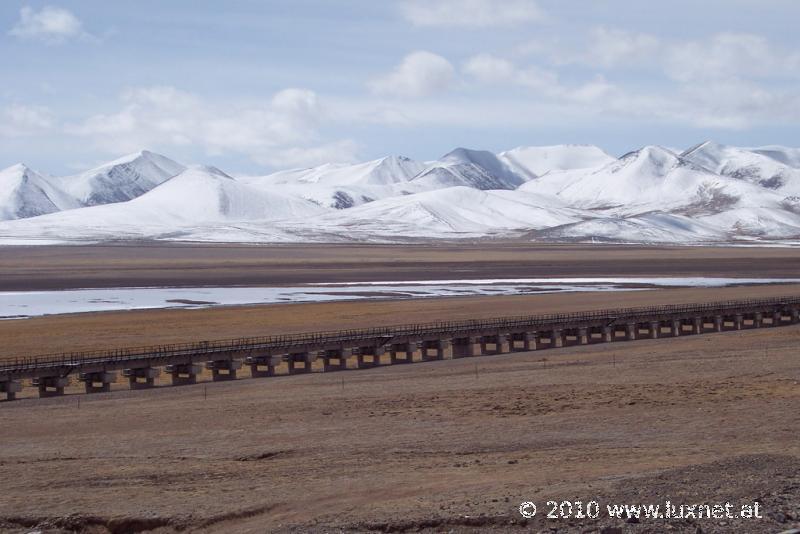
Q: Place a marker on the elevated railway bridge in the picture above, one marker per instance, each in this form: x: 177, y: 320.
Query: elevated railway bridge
x: 370, y: 347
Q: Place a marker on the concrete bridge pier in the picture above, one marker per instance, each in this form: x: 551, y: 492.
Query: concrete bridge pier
x: 738, y: 321
x: 675, y: 328
x: 500, y: 342
x: 51, y: 386
x: 718, y: 323
x: 300, y: 362
x: 465, y: 347
x: 10, y: 388
x: 697, y: 325
x: 556, y: 339
x: 794, y: 313
x: 340, y: 357
x: 582, y: 336
x: 758, y: 320
x: 407, y: 349
x: 608, y: 334
x: 258, y: 363
x: 530, y: 341
x: 98, y: 382
x: 223, y: 369
x: 370, y: 356
x: 777, y: 318
x: 183, y: 374
x: 142, y: 378
x: 442, y: 349
x: 654, y: 330
x: 631, y: 331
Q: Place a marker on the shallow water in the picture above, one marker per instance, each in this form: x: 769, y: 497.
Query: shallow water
x: 22, y: 304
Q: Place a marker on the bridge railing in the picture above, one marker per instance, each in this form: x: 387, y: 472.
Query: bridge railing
x: 287, y: 341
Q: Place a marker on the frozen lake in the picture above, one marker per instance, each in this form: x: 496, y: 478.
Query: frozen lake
x: 22, y: 304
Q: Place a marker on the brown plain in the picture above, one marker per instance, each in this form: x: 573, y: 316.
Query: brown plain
x: 430, y: 447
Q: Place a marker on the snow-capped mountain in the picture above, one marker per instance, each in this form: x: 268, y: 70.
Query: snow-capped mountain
x: 120, y: 180
x: 533, y: 161
x: 650, y: 179
x: 768, y: 167
x: 707, y: 194
x: 343, y: 186
x: 26, y: 193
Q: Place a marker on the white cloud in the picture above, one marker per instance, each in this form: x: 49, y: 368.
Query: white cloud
x: 50, y: 24
x: 610, y: 47
x: 487, y: 68
x: 280, y: 130
x: 471, y: 13
x: 726, y: 55
x: 17, y: 120
x: 420, y: 74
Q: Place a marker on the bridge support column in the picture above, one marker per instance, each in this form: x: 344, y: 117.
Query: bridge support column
x: 608, y: 334
x: 339, y: 355
x: 259, y: 363
x: 304, y: 359
x: 407, y: 349
x: 141, y: 378
x: 583, y: 336
x: 10, y: 388
x: 697, y: 325
x: 718, y: 323
x: 183, y: 373
x: 738, y: 321
x: 655, y: 329
x: 370, y: 356
x: 530, y: 341
x: 466, y: 347
x: 794, y: 313
x: 222, y: 370
x: 675, y: 328
x: 98, y: 382
x: 631, y: 331
x: 556, y: 339
x: 758, y: 319
x: 777, y: 318
x: 51, y: 386
x: 443, y: 349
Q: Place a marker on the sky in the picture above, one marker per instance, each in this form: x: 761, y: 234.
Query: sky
x: 254, y: 86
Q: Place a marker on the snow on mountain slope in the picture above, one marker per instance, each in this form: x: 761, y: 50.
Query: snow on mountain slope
x: 764, y: 167
x: 533, y: 161
x: 197, y: 200
x: 477, y: 169
x: 651, y: 179
x: 653, y: 227
x: 455, y: 211
x: 120, y: 180
x: 25, y: 193
x: 342, y: 186
x: 785, y: 155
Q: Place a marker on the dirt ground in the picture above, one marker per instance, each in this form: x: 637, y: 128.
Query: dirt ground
x: 126, y: 265
x: 452, y: 446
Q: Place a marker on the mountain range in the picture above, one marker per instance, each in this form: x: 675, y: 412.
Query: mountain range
x: 709, y: 193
